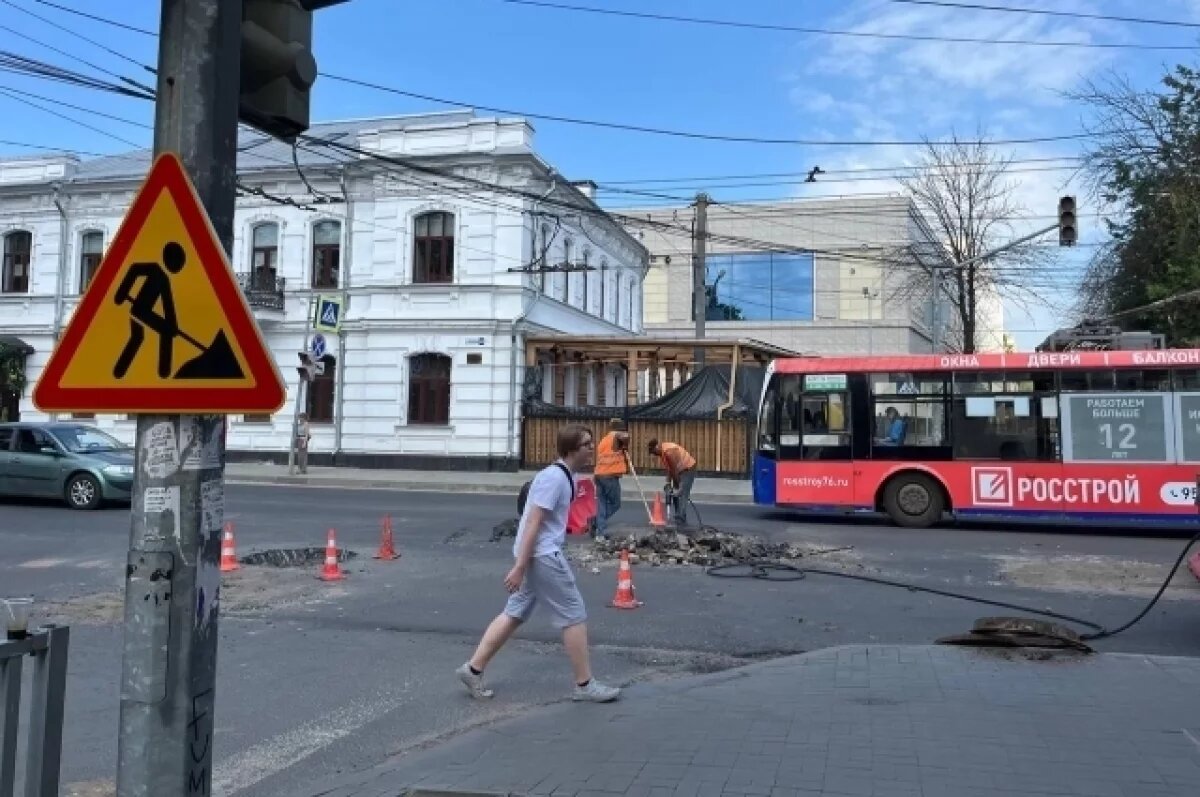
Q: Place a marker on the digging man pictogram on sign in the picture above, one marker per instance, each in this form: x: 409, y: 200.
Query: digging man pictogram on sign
x: 215, y: 361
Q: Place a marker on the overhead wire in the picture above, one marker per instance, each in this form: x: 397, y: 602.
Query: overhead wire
x: 679, y: 133
x: 80, y: 36
x: 1046, y: 12
x: 853, y: 34
x: 97, y: 18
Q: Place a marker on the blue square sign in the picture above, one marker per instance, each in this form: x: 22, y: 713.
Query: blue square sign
x: 329, y: 314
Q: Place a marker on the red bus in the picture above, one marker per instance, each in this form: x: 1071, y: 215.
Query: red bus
x: 1093, y: 436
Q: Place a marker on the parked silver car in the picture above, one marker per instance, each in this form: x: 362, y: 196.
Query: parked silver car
x: 77, y: 463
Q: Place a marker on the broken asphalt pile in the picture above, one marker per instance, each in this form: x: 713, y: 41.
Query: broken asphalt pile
x: 704, y: 547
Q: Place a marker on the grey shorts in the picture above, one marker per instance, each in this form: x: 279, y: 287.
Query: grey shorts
x: 548, y: 581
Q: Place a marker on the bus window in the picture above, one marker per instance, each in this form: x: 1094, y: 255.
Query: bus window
x: 909, y: 410
x: 1136, y: 379
x: 768, y: 442
x: 1083, y: 381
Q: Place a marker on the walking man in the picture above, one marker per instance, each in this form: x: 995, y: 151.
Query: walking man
x: 681, y: 472
x: 143, y: 311
x: 541, y: 574
x: 611, y: 465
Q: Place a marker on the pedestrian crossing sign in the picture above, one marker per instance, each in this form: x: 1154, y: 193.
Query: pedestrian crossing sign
x: 163, y: 326
x: 329, y: 314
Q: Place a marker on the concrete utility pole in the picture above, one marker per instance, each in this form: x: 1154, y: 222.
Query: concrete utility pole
x: 173, y: 576
x: 699, y: 297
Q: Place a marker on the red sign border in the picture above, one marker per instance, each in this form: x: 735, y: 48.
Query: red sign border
x: 266, y: 395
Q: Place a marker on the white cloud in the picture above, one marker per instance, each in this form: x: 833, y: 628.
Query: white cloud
x: 879, y: 89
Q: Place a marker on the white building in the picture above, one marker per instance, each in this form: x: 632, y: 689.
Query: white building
x: 827, y: 276
x: 428, y: 367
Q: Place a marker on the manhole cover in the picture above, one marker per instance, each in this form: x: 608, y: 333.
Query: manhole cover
x: 292, y: 557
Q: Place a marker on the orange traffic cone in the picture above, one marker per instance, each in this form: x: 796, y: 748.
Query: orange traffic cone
x: 331, y: 571
x: 228, y: 550
x: 624, y: 599
x: 657, y: 519
x: 387, y: 548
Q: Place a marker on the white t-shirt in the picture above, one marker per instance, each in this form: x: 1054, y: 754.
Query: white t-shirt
x: 552, y: 491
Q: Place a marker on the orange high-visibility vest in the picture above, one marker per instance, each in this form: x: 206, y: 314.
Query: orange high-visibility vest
x: 676, y: 458
x: 610, y: 461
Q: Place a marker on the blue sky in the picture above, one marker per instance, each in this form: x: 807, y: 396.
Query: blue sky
x: 656, y: 73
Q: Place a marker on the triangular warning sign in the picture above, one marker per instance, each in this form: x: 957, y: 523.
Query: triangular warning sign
x: 163, y: 326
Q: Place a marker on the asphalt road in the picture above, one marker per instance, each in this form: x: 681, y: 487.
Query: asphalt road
x: 317, y: 678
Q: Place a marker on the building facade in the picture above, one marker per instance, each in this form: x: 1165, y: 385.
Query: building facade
x: 442, y: 274
x: 827, y: 276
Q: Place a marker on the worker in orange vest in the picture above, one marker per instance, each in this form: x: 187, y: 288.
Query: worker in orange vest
x: 611, y: 464
x: 681, y: 472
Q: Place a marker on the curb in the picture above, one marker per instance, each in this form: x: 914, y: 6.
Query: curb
x: 424, y: 487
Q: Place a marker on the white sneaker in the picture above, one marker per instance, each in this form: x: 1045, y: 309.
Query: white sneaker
x: 596, y: 692
x: 473, y: 682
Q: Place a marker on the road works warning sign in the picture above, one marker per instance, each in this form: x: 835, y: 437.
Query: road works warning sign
x: 163, y: 326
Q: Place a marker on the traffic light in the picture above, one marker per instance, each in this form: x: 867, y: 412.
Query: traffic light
x: 1068, y: 232
x: 278, y: 68
x: 308, y: 366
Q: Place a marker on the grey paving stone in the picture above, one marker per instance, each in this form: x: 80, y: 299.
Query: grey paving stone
x: 891, y: 721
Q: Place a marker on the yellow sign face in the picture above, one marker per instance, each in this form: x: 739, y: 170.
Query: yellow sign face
x: 163, y: 326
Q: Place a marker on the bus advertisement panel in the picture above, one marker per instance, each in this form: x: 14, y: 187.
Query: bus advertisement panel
x: 1080, y: 434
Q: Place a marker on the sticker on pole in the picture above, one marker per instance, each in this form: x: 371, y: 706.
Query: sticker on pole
x: 163, y: 326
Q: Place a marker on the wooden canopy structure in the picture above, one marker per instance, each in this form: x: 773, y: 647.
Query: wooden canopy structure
x: 652, y: 367
x: 656, y: 365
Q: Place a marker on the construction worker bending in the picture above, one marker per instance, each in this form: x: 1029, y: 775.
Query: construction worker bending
x: 611, y: 464
x: 681, y: 474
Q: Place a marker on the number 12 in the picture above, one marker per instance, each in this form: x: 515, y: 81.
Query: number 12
x: 1125, y: 429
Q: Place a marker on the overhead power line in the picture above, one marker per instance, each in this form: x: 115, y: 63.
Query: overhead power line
x: 97, y: 18
x: 711, y: 178
x: 662, y: 131
x: 79, y: 36
x: 855, y: 34
x: 1045, y: 12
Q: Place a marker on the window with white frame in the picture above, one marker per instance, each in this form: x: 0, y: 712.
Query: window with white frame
x: 14, y: 278
x: 91, y: 250
x: 264, y: 256
x: 326, y: 254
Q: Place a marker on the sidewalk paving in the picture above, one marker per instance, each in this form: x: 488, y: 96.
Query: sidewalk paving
x: 892, y: 721
x: 733, y: 491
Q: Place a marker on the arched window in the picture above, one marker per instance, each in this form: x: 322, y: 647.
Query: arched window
x: 584, y: 276
x: 566, y: 276
x: 433, y: 248
x: 630, y: 316
x: 326, y: 254
x: 603, y: 287
x: 15, y: 273
x: 542, y: 257
x: 429, y: 389
x: 91, y: 249
x: 264, y: 256
x: 319, y: 401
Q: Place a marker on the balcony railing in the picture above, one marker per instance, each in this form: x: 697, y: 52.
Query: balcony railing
x: 263, y: 291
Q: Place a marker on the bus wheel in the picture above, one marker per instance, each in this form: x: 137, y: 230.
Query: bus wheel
x: 913, y: 500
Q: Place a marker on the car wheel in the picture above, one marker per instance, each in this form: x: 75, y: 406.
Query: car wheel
x: 83, y: 491
x: 913, y: 500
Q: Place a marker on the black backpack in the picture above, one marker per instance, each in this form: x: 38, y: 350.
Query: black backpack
x: 523, y: 495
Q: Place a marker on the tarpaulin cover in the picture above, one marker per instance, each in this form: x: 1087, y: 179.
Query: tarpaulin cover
x: 694, y: 400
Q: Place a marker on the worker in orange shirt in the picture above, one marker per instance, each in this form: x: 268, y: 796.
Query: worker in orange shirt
x: 681, y: 473
x: 611, y: 464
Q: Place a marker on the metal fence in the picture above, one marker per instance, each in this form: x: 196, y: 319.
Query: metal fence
x: 47, y: 647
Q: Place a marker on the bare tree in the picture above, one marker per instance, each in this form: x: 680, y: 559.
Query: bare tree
x: 962, y: 189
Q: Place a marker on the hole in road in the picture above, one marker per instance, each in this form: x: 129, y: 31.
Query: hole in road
x: 292, y: 557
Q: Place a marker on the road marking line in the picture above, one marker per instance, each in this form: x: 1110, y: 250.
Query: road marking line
x: 273, y: 756
x: 42, y: 564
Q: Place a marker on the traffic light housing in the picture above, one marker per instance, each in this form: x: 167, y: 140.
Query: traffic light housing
x: 1068, y: 231
x: 278, y: 68
x: 307, y: 367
